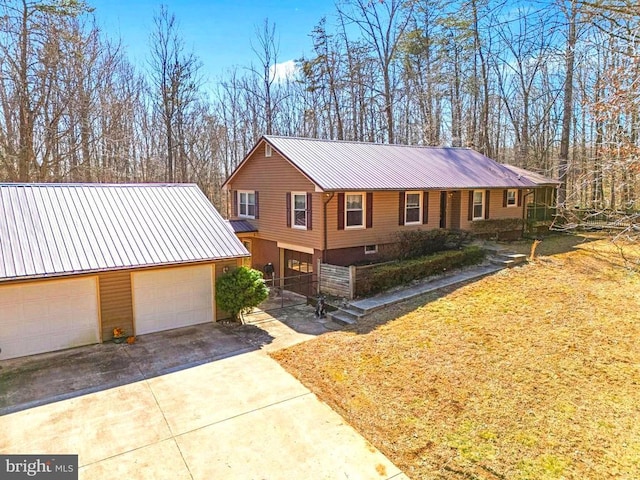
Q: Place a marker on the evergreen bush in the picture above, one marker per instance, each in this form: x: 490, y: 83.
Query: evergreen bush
x: 239, y: 290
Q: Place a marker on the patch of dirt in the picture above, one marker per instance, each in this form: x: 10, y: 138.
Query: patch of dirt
x: 531, y: 373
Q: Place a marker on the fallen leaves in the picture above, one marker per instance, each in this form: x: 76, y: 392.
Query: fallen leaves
x: 530, y: 373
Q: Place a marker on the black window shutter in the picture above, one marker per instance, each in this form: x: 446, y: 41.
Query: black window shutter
x: 486, y: 204
x: 288, y: 204
x: 425, y: 207
x: 369, y: 209
x: 519, y: 198
x: 504, y: 198
x: 341, y: 211
x: 401, y: 209
x: 309, y: 204
x: 470, y: 217
x: 234, y: 203
x: 257, y: 206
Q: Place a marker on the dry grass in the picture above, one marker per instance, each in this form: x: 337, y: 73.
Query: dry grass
x: 532, y: 373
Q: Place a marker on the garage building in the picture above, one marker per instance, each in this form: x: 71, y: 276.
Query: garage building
x: 78, y: 260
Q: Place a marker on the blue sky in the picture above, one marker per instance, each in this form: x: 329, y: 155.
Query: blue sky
x: 219, y: 32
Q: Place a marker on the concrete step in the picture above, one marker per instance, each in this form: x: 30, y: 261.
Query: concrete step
x: 516, y: 257
x: 508, y: 259
x: 342, y: 318
x: 503, y: 262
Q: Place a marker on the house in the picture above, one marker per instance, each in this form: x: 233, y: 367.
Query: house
x: 295, y: 201
x: 540, y: 211
x: 78, y: 260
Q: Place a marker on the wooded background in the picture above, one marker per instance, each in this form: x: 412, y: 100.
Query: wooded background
x: 551, y: 86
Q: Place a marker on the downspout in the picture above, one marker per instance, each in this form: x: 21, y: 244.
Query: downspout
x: 327, y: 198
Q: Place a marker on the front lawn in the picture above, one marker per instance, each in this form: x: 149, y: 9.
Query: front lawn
x: 532, y: 373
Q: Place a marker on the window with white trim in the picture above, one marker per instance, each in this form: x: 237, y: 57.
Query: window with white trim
x: 267, y: 150
x: 369, y: 249
x: 299, y: 210
x: 512, y: 198
x: 412, y: 208
x: 247, y: 204
x: 478, y: 204
x: 354, y: 210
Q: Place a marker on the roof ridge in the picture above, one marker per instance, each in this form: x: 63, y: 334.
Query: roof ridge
x: 358, y: 142
x: 94, y: 184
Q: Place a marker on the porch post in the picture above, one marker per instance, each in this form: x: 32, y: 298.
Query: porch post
x: 352, y: 282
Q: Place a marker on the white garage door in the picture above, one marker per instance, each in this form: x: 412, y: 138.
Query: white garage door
x: 42, y: 317
x: 172, y: 298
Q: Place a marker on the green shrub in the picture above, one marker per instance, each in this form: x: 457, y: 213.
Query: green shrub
x: 239, y: 290
x: 418, y: 243
x: 383, y: 277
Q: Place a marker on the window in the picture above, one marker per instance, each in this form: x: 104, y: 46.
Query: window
x: 512, y: 198
x: 267, y: 150
x: 369, y: 249
x: 478, y: 204
x: 412, y: 208
x: 354, y: 211
x: 298, y: 262
x: 247, y: 204
x: 299, y: 210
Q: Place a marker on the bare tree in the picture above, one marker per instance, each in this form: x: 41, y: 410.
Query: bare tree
x: 571, y: 12
x: 382, y: 25
x: 28, y: 33
x: 176, y: 81
x: 267, y: 52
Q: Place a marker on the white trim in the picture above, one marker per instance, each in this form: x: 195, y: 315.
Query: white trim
x: 420, y: 206
x: 293, y: 211
x: 168, y: 298
x: 246, y: 192
x: 268, y: 151
x: 49, y: 315
x: 484, y: 199
x: 297, y: 248
x: 364, y: 212
x: 515, y: 198
x: 370, y: 252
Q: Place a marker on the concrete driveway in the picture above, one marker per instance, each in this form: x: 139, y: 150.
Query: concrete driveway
x: 239, y: 417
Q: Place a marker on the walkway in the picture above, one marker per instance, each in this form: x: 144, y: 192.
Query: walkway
x: 358, y: 309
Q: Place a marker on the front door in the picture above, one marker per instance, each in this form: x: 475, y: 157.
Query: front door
x: 443, y: 209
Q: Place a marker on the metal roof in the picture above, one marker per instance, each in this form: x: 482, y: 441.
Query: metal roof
x: 241, y: 226
x: 61, y: 229
x: 341, y: 165
x: 536, y: 178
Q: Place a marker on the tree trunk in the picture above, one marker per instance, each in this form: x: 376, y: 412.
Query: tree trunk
x: 567, y: 111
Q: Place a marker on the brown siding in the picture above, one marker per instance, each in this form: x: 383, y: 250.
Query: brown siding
x: 496, y: 210
x: 266, y: 251
x: 273, y: 177
x: 353, y: 255
x: 116, y: 303
x: 386, y: 207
